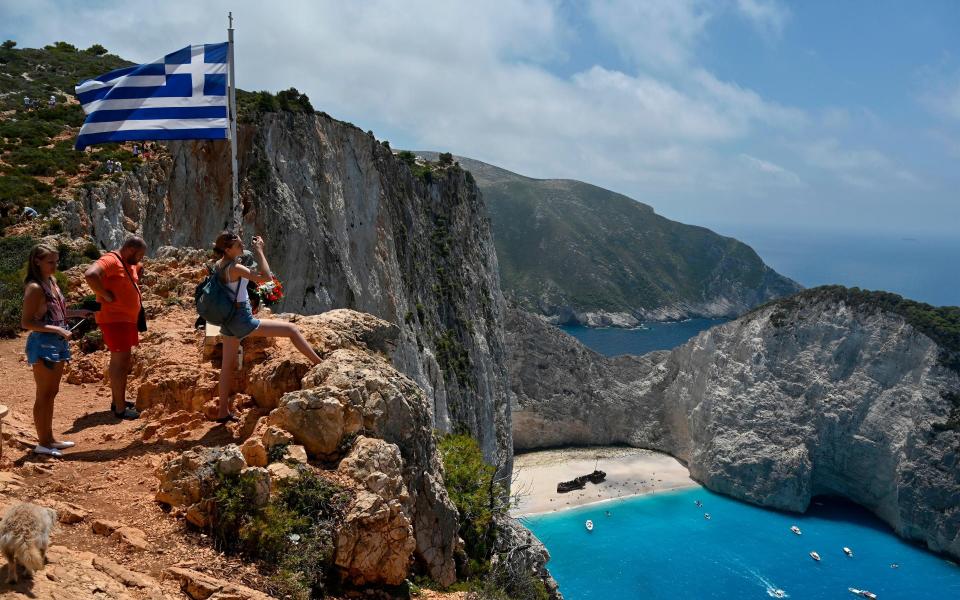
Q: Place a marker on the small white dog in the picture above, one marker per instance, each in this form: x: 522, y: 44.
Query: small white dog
x: 25, y: 536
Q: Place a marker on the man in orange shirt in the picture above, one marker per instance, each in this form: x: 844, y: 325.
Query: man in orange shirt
x: 115, y: 278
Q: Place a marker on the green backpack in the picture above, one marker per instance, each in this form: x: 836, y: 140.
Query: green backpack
x: 216, y: 303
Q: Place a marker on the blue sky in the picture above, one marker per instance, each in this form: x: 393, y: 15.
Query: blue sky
x: 734, y: 114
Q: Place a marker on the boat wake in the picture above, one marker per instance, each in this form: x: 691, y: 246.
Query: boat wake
x: 752, y: 574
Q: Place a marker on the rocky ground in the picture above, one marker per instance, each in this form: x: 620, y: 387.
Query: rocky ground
x: 115, y: 540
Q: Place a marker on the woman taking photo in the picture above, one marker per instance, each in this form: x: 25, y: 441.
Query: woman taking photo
x: 45, y: 315
x: 242, y: 323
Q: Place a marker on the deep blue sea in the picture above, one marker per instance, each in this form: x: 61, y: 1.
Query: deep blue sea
x: 661, y: 547
x: 921, y: 267
x: 613, y: 341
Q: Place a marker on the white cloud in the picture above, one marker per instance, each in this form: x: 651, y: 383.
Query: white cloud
x: 475, y: 79
x: 660, y: 34
x: 776, y: 173
x: 768, y: 16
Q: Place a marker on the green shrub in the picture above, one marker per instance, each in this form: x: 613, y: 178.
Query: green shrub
x: 92, y: 341
x: 292, y: 536
x: 13, y: 258
x: 474, y: 490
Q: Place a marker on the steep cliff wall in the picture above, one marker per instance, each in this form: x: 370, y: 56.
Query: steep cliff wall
x: 812, y: 395
x: 347, y: 225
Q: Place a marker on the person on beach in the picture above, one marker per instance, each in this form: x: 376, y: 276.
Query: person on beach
x: 45, y: 316
x: 227, y: 249
x: 115, y: 279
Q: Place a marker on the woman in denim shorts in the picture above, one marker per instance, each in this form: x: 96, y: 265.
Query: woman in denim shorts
x: 242, y: 323
x: 45, y: 316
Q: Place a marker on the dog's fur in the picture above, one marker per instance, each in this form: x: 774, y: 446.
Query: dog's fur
x: 25, y: 536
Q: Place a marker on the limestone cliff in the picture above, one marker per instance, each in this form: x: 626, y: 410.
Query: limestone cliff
x: 347, y: 225
x: 816, y: 394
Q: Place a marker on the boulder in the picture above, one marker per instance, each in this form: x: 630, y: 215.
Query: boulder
x: 254, y: 452
x: 375, y: 543
x: 377, y: 467
x: 268, y: 381
x: 317, y: 419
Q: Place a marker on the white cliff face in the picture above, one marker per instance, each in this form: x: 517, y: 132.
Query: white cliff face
x: 789, y: 402
x: 346, y: 226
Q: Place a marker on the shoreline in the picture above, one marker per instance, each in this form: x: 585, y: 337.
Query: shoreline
x: 630, y: 472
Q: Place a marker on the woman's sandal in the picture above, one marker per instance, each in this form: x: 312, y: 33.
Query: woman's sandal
x: 62, y: 445
x: 38, y: 449
x: 230, y: 418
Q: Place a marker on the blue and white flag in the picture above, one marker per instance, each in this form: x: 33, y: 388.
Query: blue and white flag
x: 182, y: 96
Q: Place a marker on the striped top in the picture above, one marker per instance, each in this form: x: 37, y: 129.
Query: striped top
x: 56, y: 304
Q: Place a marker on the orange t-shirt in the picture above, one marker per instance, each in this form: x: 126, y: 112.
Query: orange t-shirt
x: 126, y: 305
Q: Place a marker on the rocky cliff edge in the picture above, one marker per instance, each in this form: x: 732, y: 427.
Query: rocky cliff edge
x: 826, y: 392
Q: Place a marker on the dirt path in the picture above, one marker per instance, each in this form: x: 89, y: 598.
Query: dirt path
x: 109, y: 473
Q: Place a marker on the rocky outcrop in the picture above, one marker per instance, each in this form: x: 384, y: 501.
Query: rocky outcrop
x: 347, y: 225
x: 75, y: 575
x: 376, y: 542
x: 518, y: 551
x: 354, y: 409
x: 807, y: 396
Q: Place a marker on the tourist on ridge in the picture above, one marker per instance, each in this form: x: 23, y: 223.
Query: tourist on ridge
x: 115, y: 279
x: 228, y: 248
x: 45, y: 317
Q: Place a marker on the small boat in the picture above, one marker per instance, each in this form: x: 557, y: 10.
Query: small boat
x: 796, y: 530
x: 815, y: 556
x: 863, y: 593
x: 698, y: 504
x: 589, y: 525
x: 894, y: 566
x: 706, y: 516
x: 779, y: 594
x: 847, y: 551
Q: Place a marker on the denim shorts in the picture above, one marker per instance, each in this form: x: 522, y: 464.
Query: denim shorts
x: 49, y: 346
x: 242, y: 323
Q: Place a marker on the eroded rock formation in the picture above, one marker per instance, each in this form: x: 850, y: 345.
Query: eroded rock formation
x: 802, y: 397
x: 353, y: 408
x: 347, y: 225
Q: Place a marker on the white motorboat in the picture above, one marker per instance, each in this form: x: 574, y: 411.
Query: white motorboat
x: 863, y: 593
x: 796, y: 530
x: 589, y: 525
x: 779, y: 594
x: 847, y: 551
x: 815, y: 556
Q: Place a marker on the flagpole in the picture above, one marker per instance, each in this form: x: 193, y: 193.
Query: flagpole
x: 235, y: 189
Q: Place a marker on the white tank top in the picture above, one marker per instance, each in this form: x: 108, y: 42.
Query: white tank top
x: 239, y: 287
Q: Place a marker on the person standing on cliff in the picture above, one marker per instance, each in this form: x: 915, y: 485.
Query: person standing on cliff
x: 228, y: 248
x: 45, y: 316
x: 115, y: 279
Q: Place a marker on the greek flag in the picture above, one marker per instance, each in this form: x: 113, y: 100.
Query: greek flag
x: 182, y: 96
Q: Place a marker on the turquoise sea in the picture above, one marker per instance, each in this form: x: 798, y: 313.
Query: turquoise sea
x: 662, y: 547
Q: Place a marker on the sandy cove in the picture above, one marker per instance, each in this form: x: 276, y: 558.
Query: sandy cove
x: 630, y: 472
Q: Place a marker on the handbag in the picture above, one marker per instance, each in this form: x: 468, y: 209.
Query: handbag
x: 142, y: 315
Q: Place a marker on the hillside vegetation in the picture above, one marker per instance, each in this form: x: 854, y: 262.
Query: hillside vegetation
x: 939, y: 323
x: 566, y: 243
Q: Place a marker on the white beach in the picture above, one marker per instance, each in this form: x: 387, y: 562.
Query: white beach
x: 630, y: 472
